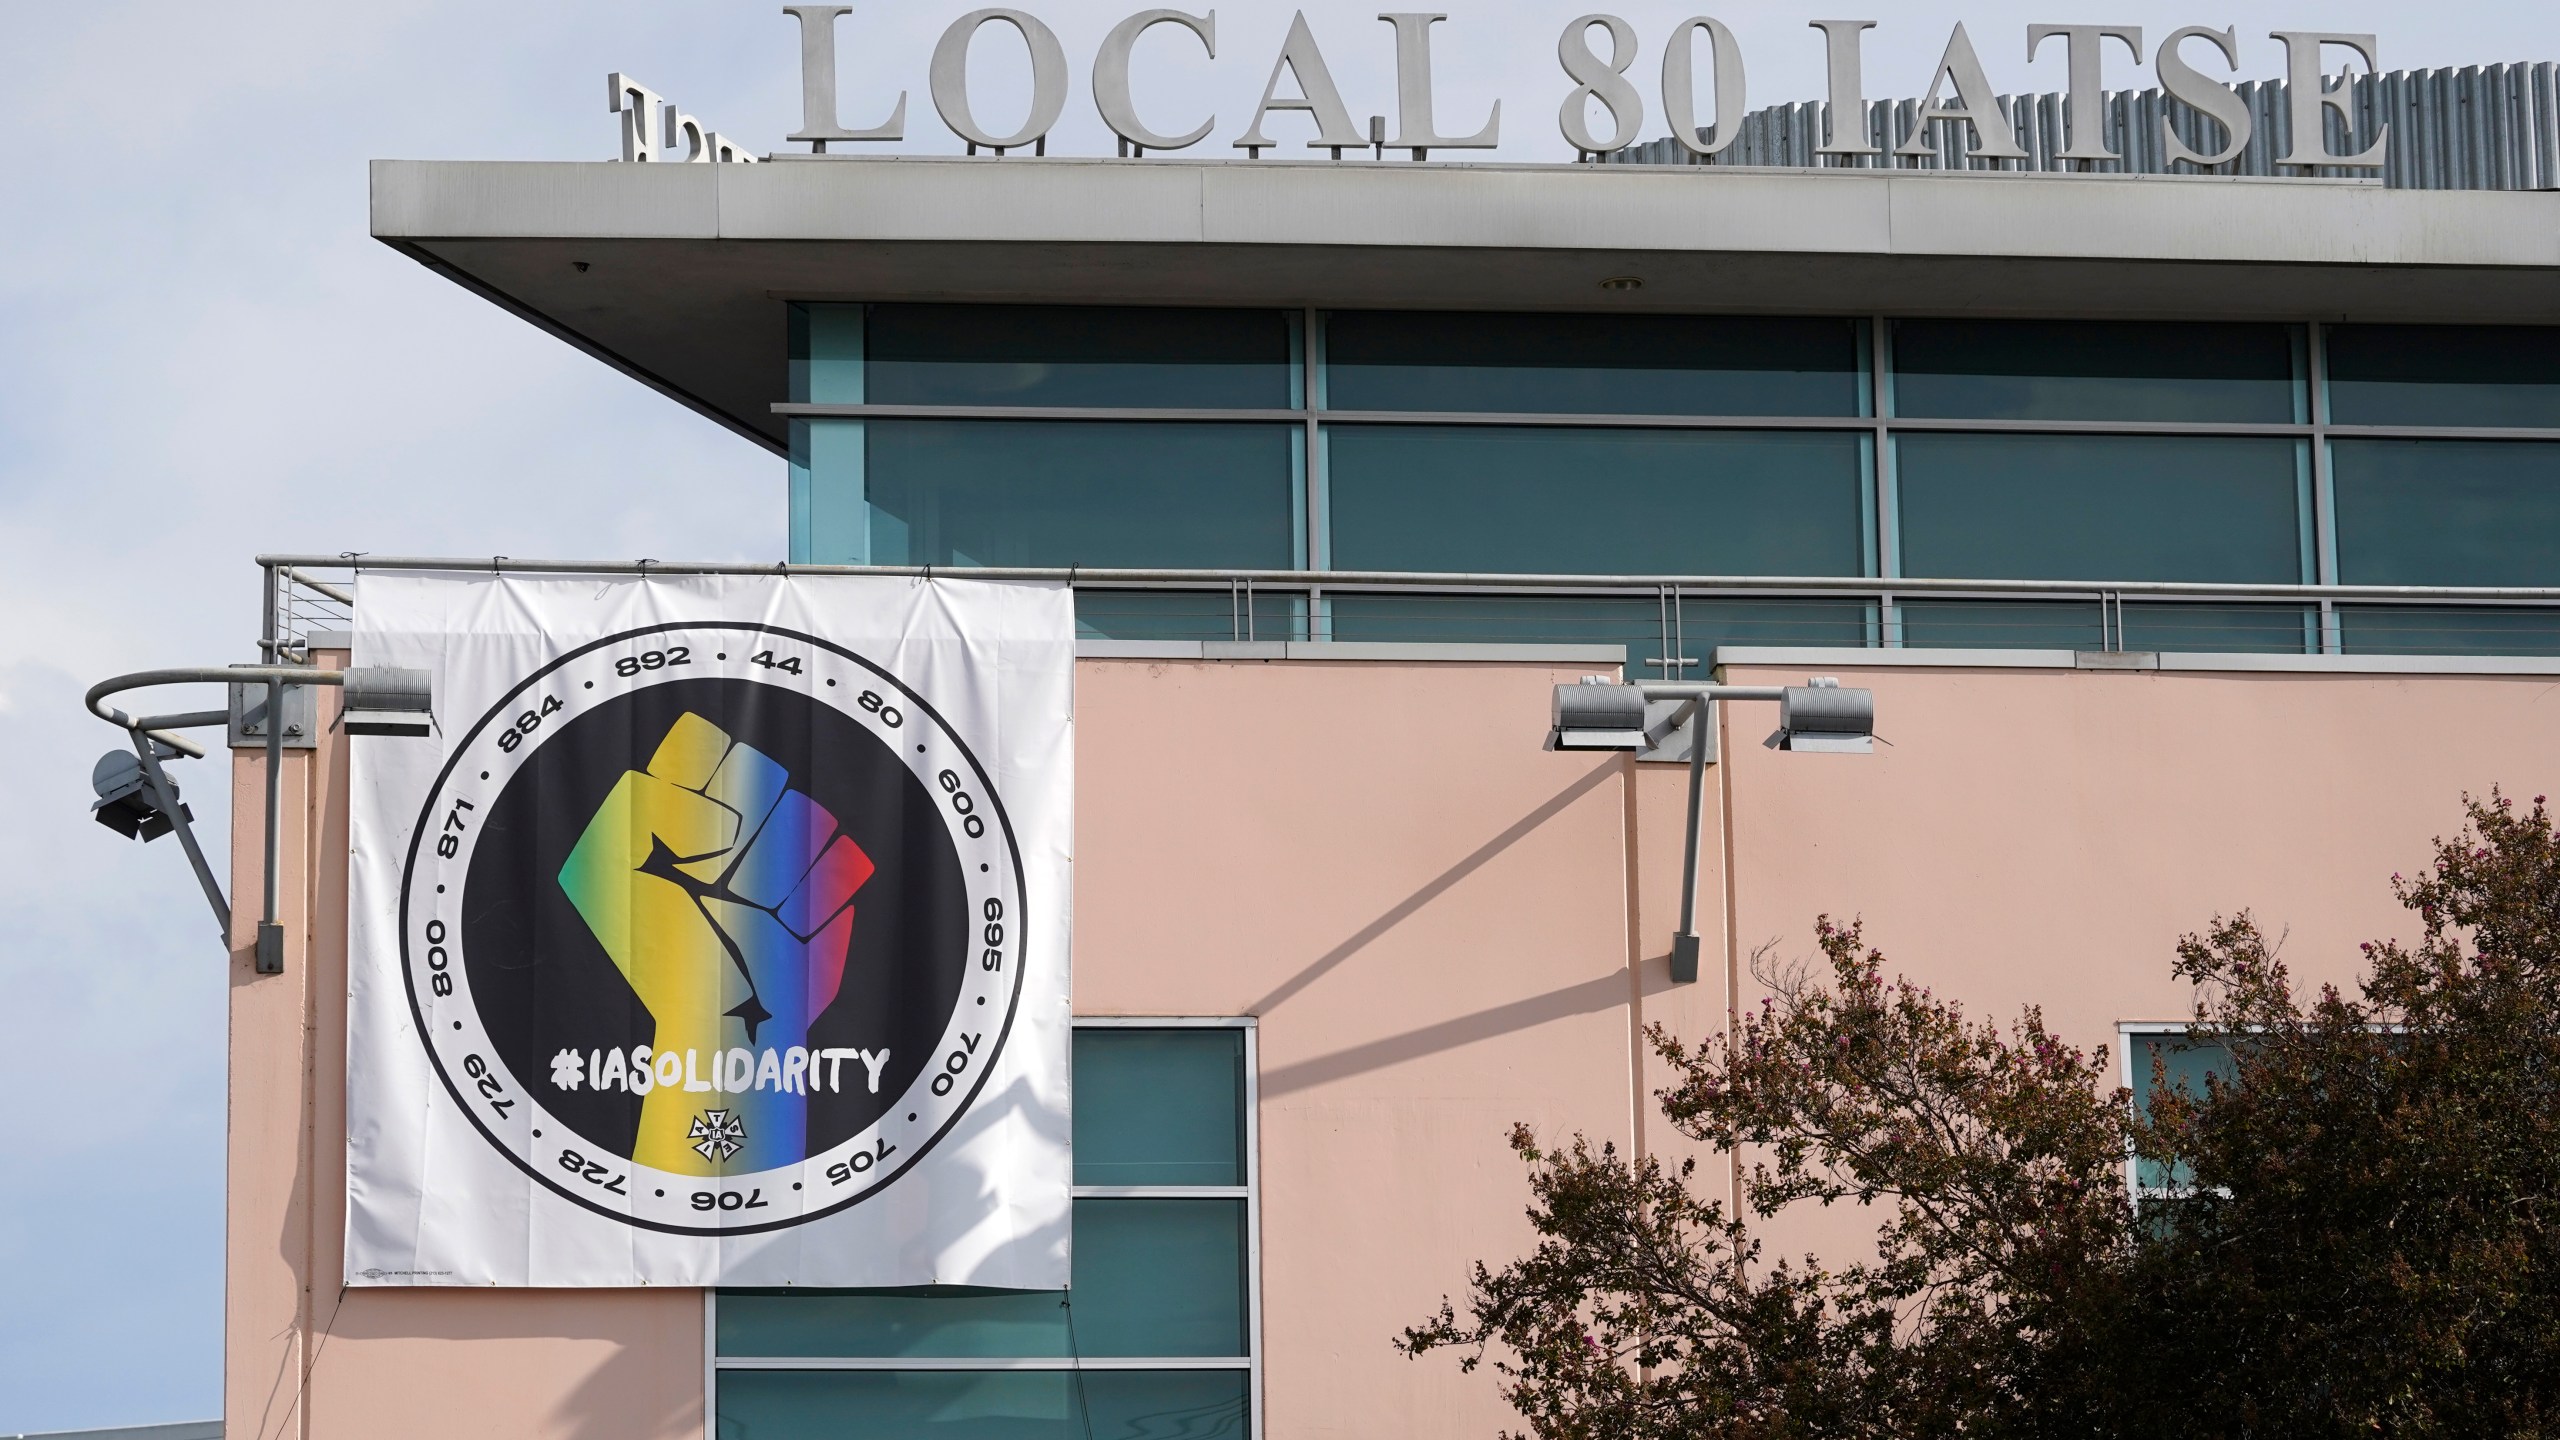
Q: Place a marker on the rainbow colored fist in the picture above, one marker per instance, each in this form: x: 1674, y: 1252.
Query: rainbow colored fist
x: 726, y: 898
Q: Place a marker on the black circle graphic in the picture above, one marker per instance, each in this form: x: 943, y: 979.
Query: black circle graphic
x: 537, y: 985
x: 543, y: 983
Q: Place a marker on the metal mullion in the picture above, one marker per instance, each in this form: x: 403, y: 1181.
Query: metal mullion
x: 1240, y: 415
x: 1253, y: 1223
x: 1850, y: 423
x: 2438, y: 432
x: 972, y: 1362
x: 1453, y: 582
x: 2324, y: 500
x: 1319, y: 541
x: 1311, y: 422
x: 1163, y: 1022
x: 1888, y: 489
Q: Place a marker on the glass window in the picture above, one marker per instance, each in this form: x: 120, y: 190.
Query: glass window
x: 1635, y: 625
x: 826, y: 354
x: 1189, y: 615
x: 2447, y: 630
x: 1156, y: 1279
x: 2447, y: 512
x: 2096, y: 370
x: 2444, y: 375
x: 946, y: 1321
x: 1158, y: 358
x: 1159, y: 1107
x: 1591, y: 364
x: 2102, y: 507
x: 2001, y: 625
x: 2075, y: 625
x: 1038, y: 492
x: 1152, y: 1277
x: 983, y: 1405
x: 2183, y: 1063
x: 1605, y: 502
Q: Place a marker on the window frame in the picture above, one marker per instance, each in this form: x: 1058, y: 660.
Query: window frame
x: 1314, y: 418
x: 1250, y: 1192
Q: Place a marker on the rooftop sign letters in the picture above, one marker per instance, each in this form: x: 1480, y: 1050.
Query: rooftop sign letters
x: 1602, y: 76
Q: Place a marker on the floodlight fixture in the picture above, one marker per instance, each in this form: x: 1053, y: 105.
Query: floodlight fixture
x: 1820, y: 715
x: 1823, y: 716
x: 387, y: 700
x: 133, y: 792
x: 1596, y: 715
x: 127, y: 802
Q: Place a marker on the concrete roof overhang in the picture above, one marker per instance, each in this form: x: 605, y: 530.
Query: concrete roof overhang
x: 678, y: 274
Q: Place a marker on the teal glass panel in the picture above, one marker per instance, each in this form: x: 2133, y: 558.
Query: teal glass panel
x: 1162, y: 358
x: 2249, y: 629
x: 1220, y: 614
x: 2101, y: 507
x: 1597, y: 502
x: 826, y: 354
x: 1634, y: 626
x: 2001, y: 625
x: 1159, y: 1107
x: 2075, y: 625
x: 832, y: 523
x: 2095, y: 370
x: 1591, y: 364
x: 1100, y: 493
x: 2180, y: 1063
x: 940, y: 1321
x: 1151, y: 1278
x: 2447, y: 630
x: 2500, y: 375
x: 1159, y: 1277
x: 983, y: 1405
x: 2447, y: 512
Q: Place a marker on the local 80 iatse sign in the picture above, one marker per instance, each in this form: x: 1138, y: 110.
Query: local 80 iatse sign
x: 1702, y: 92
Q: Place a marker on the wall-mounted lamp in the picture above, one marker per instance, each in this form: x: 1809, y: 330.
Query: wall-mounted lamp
x: 133, y: 790
x: 1819, y: 716
x: 128, y: 803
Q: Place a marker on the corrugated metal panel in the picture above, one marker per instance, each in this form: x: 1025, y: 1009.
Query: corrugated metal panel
x: 2478, y: 127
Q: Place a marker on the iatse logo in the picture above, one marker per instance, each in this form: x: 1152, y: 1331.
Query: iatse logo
x: 713, y: 928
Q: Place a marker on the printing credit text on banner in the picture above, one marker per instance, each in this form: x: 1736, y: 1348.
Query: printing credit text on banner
x: 718, y: 936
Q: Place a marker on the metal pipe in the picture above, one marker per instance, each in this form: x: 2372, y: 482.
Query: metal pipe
x: 270, y: 957
x: 184, y: 720
x: 166, y: 796
x: 321, y: 587
x: 1685, y: 943
x: 194, y: 675
x: 1088, y: 577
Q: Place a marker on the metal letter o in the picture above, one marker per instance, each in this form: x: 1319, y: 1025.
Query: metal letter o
x: 950, y: 78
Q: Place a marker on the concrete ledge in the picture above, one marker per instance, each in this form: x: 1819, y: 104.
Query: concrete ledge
x: 1598, y: 656
x: 2139, y: 660
x: 678, y: 274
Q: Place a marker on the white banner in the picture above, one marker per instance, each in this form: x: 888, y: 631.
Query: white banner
x: 717, y: 937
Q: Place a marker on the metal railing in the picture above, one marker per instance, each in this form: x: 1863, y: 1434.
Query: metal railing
x: 1666, y: 621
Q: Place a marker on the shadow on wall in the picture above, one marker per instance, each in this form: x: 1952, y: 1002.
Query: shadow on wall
x: 1433, y: 890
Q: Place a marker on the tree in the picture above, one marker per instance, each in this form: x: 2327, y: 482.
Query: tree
x: 2358, y: 1240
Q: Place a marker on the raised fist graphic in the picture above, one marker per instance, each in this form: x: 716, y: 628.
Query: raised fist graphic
x: 725, y: 897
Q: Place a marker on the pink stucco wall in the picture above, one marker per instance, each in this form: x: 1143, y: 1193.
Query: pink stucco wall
x: 1443, y: 930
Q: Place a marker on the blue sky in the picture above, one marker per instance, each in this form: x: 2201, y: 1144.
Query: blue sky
x: 202, y: 356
